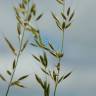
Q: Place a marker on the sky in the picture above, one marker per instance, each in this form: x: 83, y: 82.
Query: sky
x: 79, y: 48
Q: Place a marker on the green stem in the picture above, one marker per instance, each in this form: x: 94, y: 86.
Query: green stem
x: 62, y: 42
x: 18, y: 55
x: 64, y: 29
x: 55, y: 90
x: 62, y: 47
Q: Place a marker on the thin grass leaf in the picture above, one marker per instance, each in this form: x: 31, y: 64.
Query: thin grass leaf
x: 64, y: 17
x: 60, y: 79
x: 42, y: 61
x: 14, y: 64
x: 68, y: 25
x: 59, y: 25
x: 16, y: 83
x: 39, y: 80
x: 67, y: 75
x: 23, y: 77
x: 72, y: 15
x: 19, y: 85
x: 2, y: 77
x: 8, y: 72
x: 37, y: 42
x: 45, y: 59
x: 51, y: 46
x: 39, y: 17
x: 10, y: 45
x: 56, y: 19
x: 36, y: 58
x: 43, y: 70
x: 68, y: 11
x: 53, y: 53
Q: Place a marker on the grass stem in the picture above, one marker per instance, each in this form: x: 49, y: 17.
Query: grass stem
x: 18, y: 55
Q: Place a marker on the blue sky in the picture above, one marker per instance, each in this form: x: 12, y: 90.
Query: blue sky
x: 79, y: 46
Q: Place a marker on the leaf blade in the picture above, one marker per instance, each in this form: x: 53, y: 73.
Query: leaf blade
x: 10, y: 46
x: 39, y: 80
x: 39, y: 17
x: 2, y: 77
x: 23, y: 77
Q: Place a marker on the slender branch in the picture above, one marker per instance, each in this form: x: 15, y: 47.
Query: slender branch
x: 12, y: 76
x: 62, y: 47
x: 55, y: 90
x: 18, y: 55
x: 62, y: 42
x: 64, y: 29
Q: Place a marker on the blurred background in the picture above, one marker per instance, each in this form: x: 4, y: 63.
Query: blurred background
x: 79, y: 48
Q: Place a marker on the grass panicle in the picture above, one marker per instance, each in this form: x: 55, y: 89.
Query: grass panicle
x: 26, y: 13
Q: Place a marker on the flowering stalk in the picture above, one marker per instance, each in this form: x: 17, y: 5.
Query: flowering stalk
x: 16, y: 64
x: 20, y: 10
x: 54, y: 74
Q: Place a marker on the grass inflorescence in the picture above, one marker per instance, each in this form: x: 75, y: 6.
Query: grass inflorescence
x: 25, y: 12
